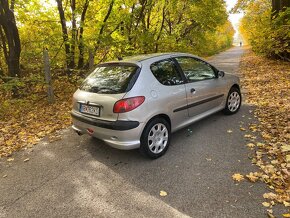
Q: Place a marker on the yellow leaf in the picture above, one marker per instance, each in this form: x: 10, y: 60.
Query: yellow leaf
x: 242, y: 129
x: 238, y: 177
x: 250, y: 145
x: 163, y: 193
x: 259, y: 144
x: 286, y: 204
x: 4, y: 130
x: 286, y: 215
x: 270, y: 213
x: 9, y: 142
x: 27, y: 159
x: 10, y: 159
x: 251, y: 176
x: 266, y: 204
x: 270, y: 195
x: 285, y: 148
x: 274, y: 161
x: 288, y: 158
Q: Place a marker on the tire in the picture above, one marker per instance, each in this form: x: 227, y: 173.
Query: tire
x: 155, y: 138
x: 234, y: 101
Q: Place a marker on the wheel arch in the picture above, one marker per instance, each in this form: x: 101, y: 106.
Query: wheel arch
x: 236, y: 86
x: 163, y: 116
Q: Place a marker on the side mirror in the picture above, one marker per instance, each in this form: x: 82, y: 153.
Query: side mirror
x: 221, y: 74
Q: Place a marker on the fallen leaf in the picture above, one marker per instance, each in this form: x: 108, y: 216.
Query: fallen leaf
x: 163, y: 193
x: 286, y: 204
x: 286, y: 215
x: 251, y: 145
x: 10, y: 159
x: 238, y: 177
x: 270, y: 196
x: 27, y: 159
x: 229, y: 131
x: 270, y: 213
x: 252, y: 177
x: 285, y: 148
x: 266, y: 204
x: 4, y: 176
x: 288, y: 158
x: 242, y: 129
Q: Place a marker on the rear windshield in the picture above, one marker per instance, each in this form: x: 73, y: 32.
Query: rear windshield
x: 111, y: 79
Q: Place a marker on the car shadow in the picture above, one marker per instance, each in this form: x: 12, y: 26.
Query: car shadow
x: 196, y: 170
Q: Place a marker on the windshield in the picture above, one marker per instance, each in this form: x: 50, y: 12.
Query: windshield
x: 110, y: 79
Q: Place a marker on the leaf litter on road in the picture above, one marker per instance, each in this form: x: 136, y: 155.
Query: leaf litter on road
x: 268, y: 83
x: 27, y: 121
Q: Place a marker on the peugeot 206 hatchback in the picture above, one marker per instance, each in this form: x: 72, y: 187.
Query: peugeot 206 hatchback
x: 139, y: 101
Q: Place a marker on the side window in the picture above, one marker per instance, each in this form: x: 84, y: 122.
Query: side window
x: 166, y: 73
x: 195, y: 70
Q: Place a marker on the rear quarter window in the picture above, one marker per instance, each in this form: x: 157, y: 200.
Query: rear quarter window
x: 166, y: 72
x: 111, y: 79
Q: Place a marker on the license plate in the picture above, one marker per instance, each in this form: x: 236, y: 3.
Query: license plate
x: 89, y: 109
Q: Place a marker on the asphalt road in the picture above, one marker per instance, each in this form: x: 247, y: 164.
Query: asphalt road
x: 83, y: 177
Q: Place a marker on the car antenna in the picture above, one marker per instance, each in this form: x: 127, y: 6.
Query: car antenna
x: 120, y: 58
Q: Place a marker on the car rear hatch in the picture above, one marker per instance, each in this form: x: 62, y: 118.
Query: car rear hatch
x: 107, y: 84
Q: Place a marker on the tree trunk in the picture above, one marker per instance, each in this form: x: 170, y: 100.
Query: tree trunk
x: 4, y: 44
x: 8, y: 24
x: 81, y: 40
x: 279, y: 5
x: 64, y: 32
x: 161, y: 28
x: 104, y: 24
x: 73, y: 35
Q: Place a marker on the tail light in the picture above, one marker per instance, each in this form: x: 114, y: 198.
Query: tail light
x: 128, y: 104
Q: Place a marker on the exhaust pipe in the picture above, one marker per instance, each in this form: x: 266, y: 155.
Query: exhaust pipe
x: 79, y: 133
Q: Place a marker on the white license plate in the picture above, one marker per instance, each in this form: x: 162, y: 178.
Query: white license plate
x: 88, y: 109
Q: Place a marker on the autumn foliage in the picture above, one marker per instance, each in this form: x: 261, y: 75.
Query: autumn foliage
x: 266, y: 29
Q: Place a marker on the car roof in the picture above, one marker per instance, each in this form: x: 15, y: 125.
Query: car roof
x: 138, y: 59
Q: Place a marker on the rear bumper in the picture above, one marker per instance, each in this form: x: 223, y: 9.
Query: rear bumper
x: 120, y: 125
x: 117, y: 134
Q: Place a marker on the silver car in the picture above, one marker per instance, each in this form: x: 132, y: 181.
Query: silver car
x: 137, y: 102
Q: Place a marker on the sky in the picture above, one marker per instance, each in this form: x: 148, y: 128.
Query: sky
x: 234, y: 18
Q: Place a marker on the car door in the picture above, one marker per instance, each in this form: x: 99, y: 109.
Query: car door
x: 204, y: 90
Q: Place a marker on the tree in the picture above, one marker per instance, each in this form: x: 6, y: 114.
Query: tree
x: 10, y: 38
x: 69, y: 57
x: 266, y: 26
x: 81, y: 32
x: 279, y: 5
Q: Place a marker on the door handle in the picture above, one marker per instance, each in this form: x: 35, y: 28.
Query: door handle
x: 192, y: 90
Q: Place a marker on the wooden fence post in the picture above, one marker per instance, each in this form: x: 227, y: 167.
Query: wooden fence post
x: 47, y: 72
